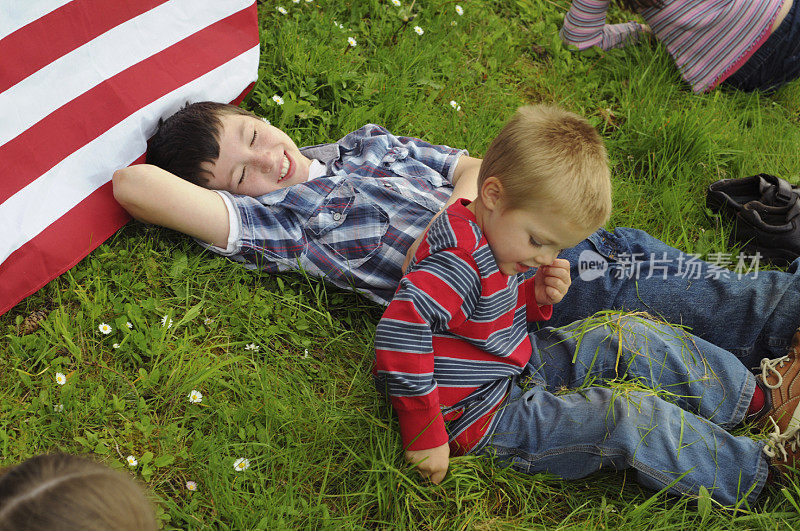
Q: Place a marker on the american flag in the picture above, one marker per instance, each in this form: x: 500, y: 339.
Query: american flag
x: 82, y: 85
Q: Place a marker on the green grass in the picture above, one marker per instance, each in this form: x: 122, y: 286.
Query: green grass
x: 323, y: 447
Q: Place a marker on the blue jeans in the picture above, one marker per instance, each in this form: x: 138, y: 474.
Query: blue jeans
x: 674, y: 437
x: 776, y: 62
x: 752, y: 317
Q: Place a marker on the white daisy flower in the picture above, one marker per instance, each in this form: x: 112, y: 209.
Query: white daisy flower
x: 309, y: 1
x: 455, y: 105
x: 58, y: 408
x: 277, y: 99
x: 191, y: 485
x: 129, y: 324
x: 341, y: 26
x: 106, y: 329
x: 296, y: 1
x: 165, y: 323
x: 60, y: 378
x: 195, y: 397
x: 131, y: 461
x: 115, y: 345
x: 352, y: 42
x: 396, y: 3
x: 282, y: 10
x: 459, y: 9
x: 418, y: 30
x: 453, y: 23
x: 208, y: 321
x: 241, y: 464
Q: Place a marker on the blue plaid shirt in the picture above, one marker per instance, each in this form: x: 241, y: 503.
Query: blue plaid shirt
x: 353, y: 226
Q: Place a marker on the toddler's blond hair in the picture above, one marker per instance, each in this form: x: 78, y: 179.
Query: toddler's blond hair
x: 546, y: 156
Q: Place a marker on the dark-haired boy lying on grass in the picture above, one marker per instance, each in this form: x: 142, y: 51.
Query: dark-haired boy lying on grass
x: 350, y: 211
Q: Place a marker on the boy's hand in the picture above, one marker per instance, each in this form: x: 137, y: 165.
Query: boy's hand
x: 431, y: 463
x: 552, y: 282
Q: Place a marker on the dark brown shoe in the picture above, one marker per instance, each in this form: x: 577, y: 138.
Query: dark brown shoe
x: 773, y: 232
x: 728, y: 196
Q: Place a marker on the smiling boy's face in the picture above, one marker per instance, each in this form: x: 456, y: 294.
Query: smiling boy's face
x: 255, y: 158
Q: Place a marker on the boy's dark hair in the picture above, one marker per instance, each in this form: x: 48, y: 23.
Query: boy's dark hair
x: 62, y: 491
x: 189, y: 138
x: 636, y: 5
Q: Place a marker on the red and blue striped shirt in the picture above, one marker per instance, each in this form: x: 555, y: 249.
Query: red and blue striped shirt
x: 453, y: 337
x: 708, y: 39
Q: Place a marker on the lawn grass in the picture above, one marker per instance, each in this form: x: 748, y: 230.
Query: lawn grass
x: 323, y: 447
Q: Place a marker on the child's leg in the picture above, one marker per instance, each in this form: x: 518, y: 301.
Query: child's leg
x: 576, y: 434
x: 687, y: 370
x: 627, y: 425
x: 776, y: 61
x: 753, y: 316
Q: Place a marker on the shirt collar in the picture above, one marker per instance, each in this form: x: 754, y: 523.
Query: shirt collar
x: 325, y: 153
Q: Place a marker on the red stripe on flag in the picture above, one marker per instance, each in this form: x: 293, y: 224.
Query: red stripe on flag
x: 45, y: 144
x: 60, y: 246
x: 44, y: 40
x: 240, y: 98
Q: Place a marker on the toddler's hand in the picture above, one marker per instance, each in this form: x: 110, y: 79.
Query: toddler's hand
x: 647, y: 34
x: 552, y: 282
x: 431, y: 463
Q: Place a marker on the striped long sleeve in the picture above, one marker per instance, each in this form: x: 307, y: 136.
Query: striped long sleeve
x: 424, y: 302
x: 585, y: 26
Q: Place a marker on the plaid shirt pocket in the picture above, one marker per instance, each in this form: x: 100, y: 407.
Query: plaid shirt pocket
x: 359, y: 222
x: 416, y: 180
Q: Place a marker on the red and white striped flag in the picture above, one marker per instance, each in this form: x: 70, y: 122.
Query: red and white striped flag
x: 82, y: 85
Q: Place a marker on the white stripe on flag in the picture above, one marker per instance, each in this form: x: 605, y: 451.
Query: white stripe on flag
x: 15, y: 14
x: 33, y: 98
x: 32, y: 209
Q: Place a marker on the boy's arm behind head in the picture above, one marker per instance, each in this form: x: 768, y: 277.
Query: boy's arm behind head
x: 156, y: 196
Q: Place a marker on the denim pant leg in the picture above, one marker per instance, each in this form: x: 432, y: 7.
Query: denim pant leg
x: 776, y: 61
x: 674, y: 437
x: 753, y: 316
